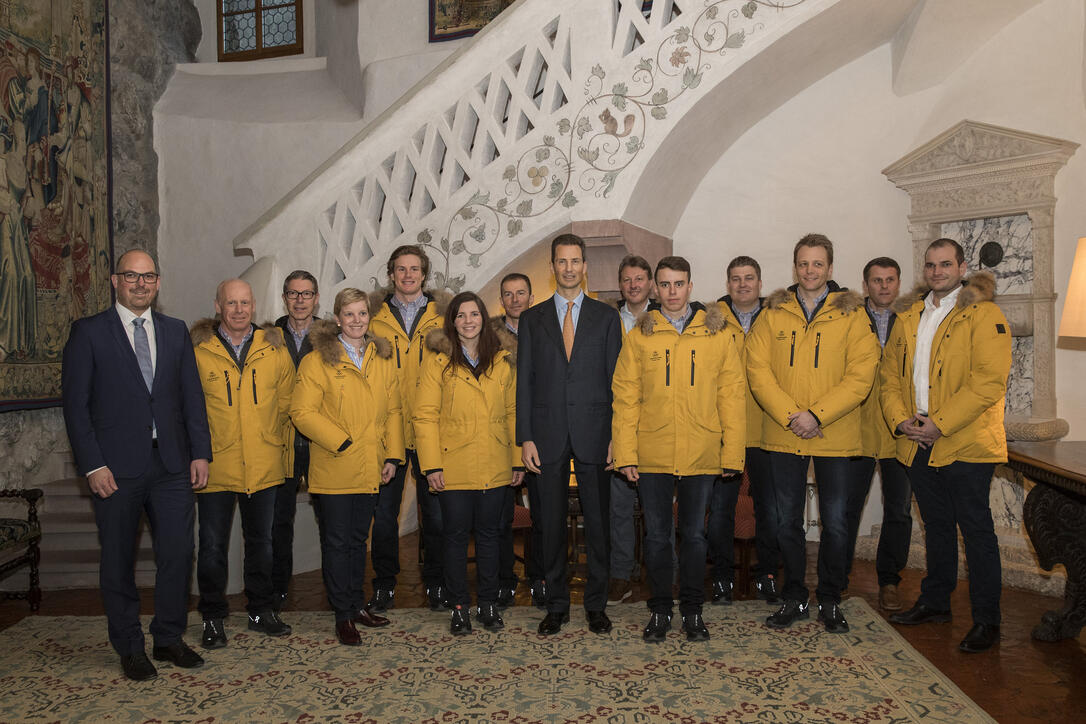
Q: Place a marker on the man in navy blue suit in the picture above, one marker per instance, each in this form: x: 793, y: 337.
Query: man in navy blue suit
x: 567, y: 347
x: 136, y: 421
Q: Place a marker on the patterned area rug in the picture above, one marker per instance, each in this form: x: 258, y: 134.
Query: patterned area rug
x: 62, y: 669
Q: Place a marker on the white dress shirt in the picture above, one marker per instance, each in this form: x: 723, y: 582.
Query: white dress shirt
x: 930, y: 320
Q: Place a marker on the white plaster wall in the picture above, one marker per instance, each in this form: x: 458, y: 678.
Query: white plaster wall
x: 814, y: 165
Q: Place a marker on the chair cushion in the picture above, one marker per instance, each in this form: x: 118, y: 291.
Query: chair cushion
x: 15, y: 532
x: 522, y: 517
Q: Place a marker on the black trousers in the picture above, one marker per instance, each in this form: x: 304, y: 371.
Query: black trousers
x: 949, y: 498
x: 594, y: 491
x: 533, y: 567
x: 892, y: 554
x: 692, y: 492
x: 168, y: 501
x: 216, y: 520
x: 345, y: 524
x: 465, y: 512
x: 286, y: 504
x: 385, y: 543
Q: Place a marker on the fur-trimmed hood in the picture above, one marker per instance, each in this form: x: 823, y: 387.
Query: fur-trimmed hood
x: 439, y: 342
x: 507, y: 339
x: 380, y: 297
x: 204, y: 329
x: 842, y: 298
x: 324, y: 335
x: 977, y: 287
x: 715, y: 320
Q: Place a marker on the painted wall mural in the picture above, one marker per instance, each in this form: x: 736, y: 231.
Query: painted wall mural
x: 54, y: 198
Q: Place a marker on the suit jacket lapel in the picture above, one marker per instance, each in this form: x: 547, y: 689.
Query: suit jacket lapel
x: 584, y: 322
x: 550, y: 324
x: 129, y: 355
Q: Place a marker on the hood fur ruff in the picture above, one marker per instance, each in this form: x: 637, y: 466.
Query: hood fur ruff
x: 440, y: 298
x: 438, y: 341
x: 976, y: 288
x: 714, y: 318
x: 324, y: 336
x: 844, y: 300
x: 507, y: 339
x: 204, y: 329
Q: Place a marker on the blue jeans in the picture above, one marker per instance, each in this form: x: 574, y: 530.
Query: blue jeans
x: 789, y: 485
x: 464, y: 512
x: 721, y: 527
x: 345, y: 524
x: 952, y: 497
x: 216, y: 517
x: 897, y: 519
x: 657, y: 492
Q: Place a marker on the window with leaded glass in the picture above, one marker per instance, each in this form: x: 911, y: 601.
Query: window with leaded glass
x: 251, y: 29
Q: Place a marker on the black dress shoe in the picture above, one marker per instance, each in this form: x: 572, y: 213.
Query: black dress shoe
x: 437, y: 596
x: 656, y: 629
x: 722, y: 592
x: 347, y: 634
x: 506, y: 598
x: 178, y: 654
x: 268, y: 623
x: 138, y: 667
x: 278, y: 601
x: 370, y: 620
x: 552, y: 622
x: 539, y: 595
x: 214, y: 634
x: 382, y: 600
x: 766, y: 589
x: 787, y: 614
x: 598, y: 623
x: 460, y: 621
x: 694, y: 627
x: 830, y: 615
x: 980, y: 638
x: 920, y: 614
x: 489, y: 617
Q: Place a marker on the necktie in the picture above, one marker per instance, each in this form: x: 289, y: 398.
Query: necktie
x: 567, y: 330
x: 143, y: 352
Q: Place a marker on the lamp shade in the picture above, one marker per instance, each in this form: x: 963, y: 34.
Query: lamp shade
x: 1073, y: 320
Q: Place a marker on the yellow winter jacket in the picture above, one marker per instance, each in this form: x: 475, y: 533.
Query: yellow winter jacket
x: 754, y: 410
x: 970, y: 361
x: 826, y: 367
x: 679, y: 399
x: 465, y: 426
x: 252, y: 440
x: 408, y: 351
x: 334, y: 401
x: 879, y: 442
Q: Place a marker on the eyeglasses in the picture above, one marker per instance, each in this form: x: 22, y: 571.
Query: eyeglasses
x: 294, y: 294
x: 132, y: 277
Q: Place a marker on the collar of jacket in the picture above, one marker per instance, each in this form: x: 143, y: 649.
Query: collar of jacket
x: 439, y: 342
x: 205, y: 331
x: 839, y: 298
x: 704, y: 320
x: 324, y: 336
x: 976, y: 288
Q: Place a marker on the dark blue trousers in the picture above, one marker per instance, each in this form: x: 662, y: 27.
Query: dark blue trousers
x: 897, y: 518
x: 692, y: 492
x: 286, y: 503
x: 216, y: 519
x: 344, y: 526
x: 168, y: 501
x: 952, y: 497
x: 721, y: 530
x: 465, y: 512
x: 385, y: 542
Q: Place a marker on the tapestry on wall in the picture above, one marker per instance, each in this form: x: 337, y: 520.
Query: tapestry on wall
x: 54, y: 187
x: 452, y: 19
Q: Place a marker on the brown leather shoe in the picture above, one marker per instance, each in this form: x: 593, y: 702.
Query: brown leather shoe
x: 347, y: 633
x: 889, y: 599
x: 370, y: 620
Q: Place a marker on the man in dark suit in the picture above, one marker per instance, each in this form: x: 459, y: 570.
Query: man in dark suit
x: 136, y: 421
x: 567, y: 349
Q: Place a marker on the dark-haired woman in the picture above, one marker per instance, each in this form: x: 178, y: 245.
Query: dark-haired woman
x: 464, y: 417
x: 347, y: 402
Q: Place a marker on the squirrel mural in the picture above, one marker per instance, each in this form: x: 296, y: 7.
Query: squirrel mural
x: 610, y: 124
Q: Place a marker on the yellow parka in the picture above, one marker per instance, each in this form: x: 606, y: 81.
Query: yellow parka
x: 408, y: 351
x: 679, y: 399
x: 252, y: 440
x: 878, y: 440
x: 334, y: 401
x: 754, y: 410
x: 465, y: 426
x: 970, y: 361
x: 826, y: 366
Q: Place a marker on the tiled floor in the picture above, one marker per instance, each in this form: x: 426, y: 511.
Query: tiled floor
x: 1020, y: 681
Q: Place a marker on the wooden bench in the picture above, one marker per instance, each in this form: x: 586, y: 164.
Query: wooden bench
x: 17, y: 534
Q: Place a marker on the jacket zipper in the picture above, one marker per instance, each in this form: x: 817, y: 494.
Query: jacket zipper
x: 254, y: 386
x: 667, y: 368
x: 397, y: 352
x: 691, y: 368
x: 902, y: 364
x: 818, y: 342
x: 792, y: 353
x: 229, y: 394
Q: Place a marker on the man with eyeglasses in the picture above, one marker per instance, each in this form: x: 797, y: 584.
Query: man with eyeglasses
x: 300, y: 297
x: 136, y: 420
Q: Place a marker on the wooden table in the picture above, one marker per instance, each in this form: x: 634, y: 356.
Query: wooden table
x: 1055, y: 517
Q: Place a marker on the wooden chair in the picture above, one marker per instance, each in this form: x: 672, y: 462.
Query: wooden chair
x: 744, y: 539
x: 17, y: 534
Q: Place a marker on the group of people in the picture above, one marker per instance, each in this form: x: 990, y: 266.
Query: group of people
x: 663, y: 399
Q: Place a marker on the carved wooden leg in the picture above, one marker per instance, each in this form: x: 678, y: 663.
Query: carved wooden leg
x: 1056, y: 523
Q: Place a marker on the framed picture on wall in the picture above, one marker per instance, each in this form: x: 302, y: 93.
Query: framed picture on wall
x: 452, y: 19
x: 55, y: 240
